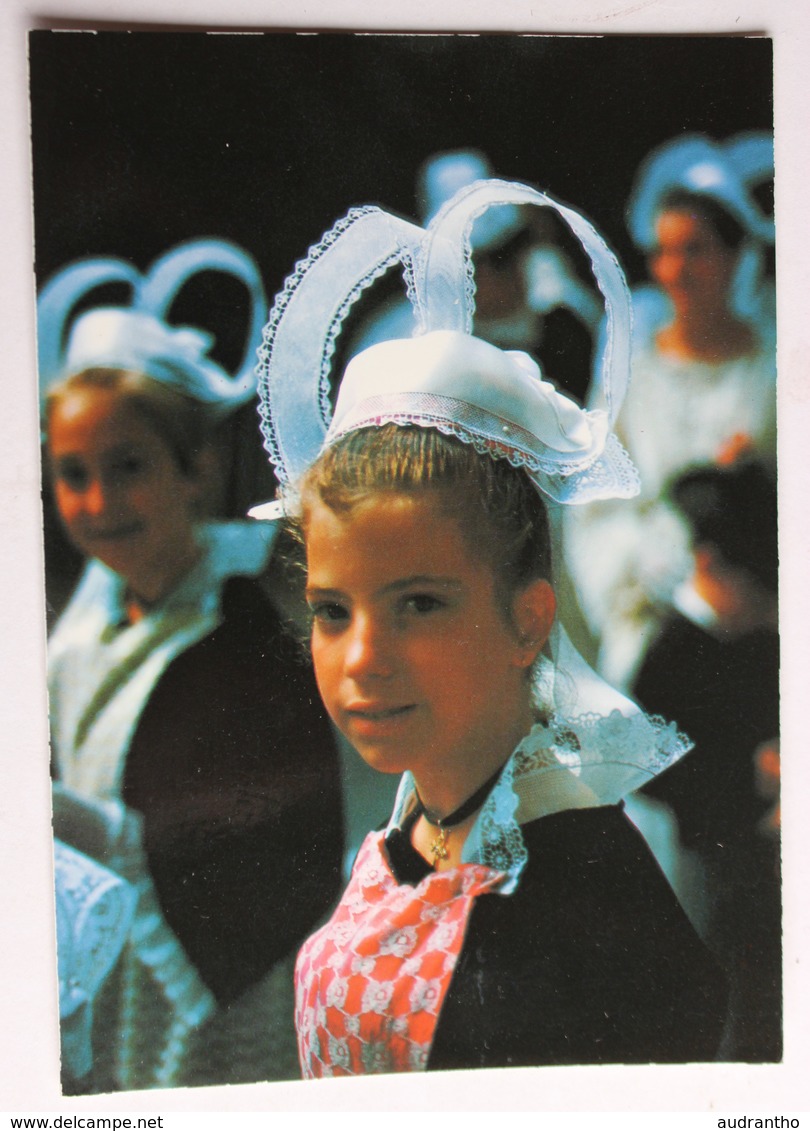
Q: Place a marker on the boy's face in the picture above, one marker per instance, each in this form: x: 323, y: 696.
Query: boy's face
x: 740, y: 602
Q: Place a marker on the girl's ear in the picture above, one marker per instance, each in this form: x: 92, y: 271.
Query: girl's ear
x: 533, y: 610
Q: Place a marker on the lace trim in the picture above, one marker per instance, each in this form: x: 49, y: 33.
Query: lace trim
x: 610, y: 474
x: 470, y: 203
x: 279, y: 309
x: 607, y: 756
x: 440, y: 284
x: 409, y: 271
x: 561, y: 764
x: 401, y: 254
x: 94, y: 908
x: 152, y: 943
x: 470, y: 286
x: 337, y: 322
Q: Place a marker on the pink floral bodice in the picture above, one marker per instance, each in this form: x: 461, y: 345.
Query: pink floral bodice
x: 370, y: 984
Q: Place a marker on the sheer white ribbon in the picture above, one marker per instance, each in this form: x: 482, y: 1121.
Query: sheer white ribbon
x: 138, y: 336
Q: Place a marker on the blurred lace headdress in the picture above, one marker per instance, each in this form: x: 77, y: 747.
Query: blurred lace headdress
x: 725, y: 172
x: 139, y: 336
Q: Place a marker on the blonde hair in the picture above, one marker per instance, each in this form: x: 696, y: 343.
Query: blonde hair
x: 500, y: 512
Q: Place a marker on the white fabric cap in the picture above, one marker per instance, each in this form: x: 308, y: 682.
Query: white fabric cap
x: 725, y: 172
x: 110, y: 337
x: 295, y: 359
x: 469, y: 388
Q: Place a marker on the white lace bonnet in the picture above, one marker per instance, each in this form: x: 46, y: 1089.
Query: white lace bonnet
x: 139, y: 336
x: 571, y: 454
x: 495, y: 400
x: 726, y: 172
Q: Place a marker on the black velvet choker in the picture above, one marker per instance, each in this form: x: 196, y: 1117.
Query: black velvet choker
x: 465, y: 810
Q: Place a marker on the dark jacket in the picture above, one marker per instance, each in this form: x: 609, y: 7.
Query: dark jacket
x: 590, y: 961
x: 724, y: 693
x: 234, y: 768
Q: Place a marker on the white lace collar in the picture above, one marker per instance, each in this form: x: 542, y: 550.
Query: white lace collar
x: 229, y: 549
x: 561, y: 764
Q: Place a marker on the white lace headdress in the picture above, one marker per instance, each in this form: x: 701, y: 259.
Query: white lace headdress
x: 596, y: 745
x: 139, y: 336
x: 726, y: 172
x: 295, y: 359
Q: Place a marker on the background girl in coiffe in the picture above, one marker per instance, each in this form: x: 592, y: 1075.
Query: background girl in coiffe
x: 168, y: 774
x: 703, y: 365
x: 509, y: 914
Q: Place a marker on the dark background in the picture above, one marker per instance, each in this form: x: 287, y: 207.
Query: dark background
x: 143, y: 139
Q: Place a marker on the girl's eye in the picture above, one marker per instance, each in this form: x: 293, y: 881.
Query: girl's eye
x: 329, y: 613
x: 422, y: 603
x: 128, y: 467
x: 73, y: 475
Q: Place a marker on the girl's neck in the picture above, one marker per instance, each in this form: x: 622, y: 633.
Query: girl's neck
x: 446, y: 787
x: 152, y: 586
x: 441, y: 848
x: 706, y: 335
x: 458, y: 797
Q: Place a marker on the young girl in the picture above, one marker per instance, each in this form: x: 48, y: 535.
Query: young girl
x: 703, y: 377
x: 167, y: 772
x: 509, y: 914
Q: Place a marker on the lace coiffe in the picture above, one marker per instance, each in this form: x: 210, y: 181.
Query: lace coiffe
x: 139, y: 336
x: 596, y: 745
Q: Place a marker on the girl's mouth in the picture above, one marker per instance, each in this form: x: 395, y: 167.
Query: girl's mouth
x: 377, y: 722
x: 114, y: 534
x: 379, y: 714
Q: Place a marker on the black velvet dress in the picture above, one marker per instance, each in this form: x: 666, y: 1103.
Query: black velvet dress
x: 724, y: 692
x: 590, y: 961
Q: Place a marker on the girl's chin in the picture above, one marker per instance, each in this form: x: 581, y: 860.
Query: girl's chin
x: 380, y: 764
x: 385, y: 759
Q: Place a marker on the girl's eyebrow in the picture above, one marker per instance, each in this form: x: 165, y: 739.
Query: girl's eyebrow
x: 315, y: 591
x: 397, y: 586
x: 421, y: 579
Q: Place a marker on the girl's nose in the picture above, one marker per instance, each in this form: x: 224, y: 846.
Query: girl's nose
x: 669, y: 268
x: 95, y: 498
x: 368, y: 651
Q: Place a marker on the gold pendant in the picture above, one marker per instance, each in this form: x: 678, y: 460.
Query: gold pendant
x: 439, y: 846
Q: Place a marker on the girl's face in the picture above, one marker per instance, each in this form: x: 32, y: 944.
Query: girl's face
x: 413, y: 655
x: 120, y: 493
x: 691, y: 263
